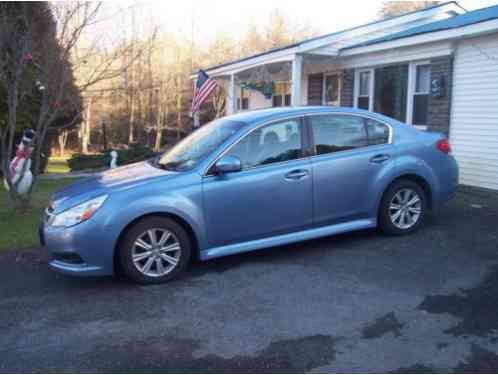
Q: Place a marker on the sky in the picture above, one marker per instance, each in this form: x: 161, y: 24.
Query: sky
x: 233, y: 16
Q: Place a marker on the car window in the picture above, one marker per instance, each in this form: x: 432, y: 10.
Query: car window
x: 334, y: 133
x: 194, y: 148
x: 269, y: 144
x: 378, y: 133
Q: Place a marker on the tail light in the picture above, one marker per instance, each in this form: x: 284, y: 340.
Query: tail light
x: 444, y: 146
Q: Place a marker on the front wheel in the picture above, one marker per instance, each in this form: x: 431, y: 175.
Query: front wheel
x: 154, y: 250
x: 403, y: 208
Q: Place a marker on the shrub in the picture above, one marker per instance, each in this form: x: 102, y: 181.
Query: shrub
x: 135, y: 153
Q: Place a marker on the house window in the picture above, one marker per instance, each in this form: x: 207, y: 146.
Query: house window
x: 391, y: 87
x: 243, y: 100
x: 421, y: 94
x: 282, y: 94
x: 332, y: 89
x: 364, y: 89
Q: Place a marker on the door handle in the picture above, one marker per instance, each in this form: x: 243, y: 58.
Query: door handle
x: 380, y: 158
x: 296, y: 174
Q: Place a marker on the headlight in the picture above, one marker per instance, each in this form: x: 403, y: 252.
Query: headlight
x: 78, y: 214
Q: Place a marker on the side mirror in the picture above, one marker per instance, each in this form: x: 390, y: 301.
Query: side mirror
x: 228, y: 164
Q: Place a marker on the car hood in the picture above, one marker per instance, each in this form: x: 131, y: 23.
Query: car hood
x: 118, y: 179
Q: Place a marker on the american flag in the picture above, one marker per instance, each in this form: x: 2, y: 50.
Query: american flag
x: 203, y: 88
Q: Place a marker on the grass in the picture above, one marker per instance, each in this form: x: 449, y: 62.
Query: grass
x: 57, y: 165
x: 18, y: 231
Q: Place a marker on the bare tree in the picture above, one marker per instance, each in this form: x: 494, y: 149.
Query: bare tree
x: 218, y: 100
x: 19, y: 38
x: 395, y: 8
x: 62, y: 140
x: 85, y: 128
x: 15, y: 55
x: 24, y: 29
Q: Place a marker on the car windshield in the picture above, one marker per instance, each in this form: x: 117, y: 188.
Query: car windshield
x: 194, y: 148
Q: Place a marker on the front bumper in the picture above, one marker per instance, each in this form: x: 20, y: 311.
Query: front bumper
x: 82, y: 250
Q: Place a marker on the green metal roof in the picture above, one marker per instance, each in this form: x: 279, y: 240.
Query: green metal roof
x: 466, y: 19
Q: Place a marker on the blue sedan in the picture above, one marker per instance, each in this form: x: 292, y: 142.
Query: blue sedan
x: 250, y: 181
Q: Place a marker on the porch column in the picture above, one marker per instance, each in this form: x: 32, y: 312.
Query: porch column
x: 231, y: 100
x: 195, y: 116
x: 197, y: 120
x: 297, y: 69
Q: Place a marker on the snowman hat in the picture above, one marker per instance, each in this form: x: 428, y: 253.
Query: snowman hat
x: 28, y: 136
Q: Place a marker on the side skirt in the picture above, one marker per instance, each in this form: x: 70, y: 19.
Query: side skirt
x: 284, y: 239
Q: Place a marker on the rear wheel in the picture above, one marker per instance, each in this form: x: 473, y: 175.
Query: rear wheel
x: 403, y: 208
x: 155, y: 250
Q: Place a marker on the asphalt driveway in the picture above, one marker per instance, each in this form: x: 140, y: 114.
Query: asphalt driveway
x: 359, y: 302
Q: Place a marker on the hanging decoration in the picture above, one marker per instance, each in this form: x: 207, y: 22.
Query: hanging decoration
x: 263, y: 78
x: 20, y: 167
x: 265, y: 88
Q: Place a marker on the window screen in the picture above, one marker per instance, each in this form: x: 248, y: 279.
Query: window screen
x: 364, y: 91
x: 421, y: 95
x: 391, y: 89
x: 364, y: 83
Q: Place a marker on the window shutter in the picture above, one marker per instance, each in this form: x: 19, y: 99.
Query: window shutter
x: 315, y: 89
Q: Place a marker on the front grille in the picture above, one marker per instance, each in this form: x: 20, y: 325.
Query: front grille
x: 70, y: 258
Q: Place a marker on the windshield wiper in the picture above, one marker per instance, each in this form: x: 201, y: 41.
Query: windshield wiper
x: 172, y: 165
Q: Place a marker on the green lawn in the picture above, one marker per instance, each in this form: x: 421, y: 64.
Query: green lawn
x: 18, y: 231
x: 57, y: 165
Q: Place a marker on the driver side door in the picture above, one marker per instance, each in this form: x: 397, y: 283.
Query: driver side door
x: 271, y: 195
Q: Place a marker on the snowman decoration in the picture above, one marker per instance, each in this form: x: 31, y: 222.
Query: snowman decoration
x: 20, y: 166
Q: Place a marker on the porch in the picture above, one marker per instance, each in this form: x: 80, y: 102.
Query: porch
x: 398, y: 89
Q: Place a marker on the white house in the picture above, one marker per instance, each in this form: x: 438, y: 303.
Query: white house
x: 436, y: 69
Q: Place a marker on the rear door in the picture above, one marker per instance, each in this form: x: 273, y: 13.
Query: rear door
x: 271, y: 195
x: 349, y: 153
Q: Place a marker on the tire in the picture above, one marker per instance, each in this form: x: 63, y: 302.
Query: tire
x: 154, y: 263
x: 408, y: 218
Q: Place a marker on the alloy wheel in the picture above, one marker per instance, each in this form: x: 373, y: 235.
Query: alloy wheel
x: 405, y: 208
x: 156, y: 252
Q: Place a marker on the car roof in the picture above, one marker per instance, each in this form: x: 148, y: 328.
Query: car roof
x: 269, y: 114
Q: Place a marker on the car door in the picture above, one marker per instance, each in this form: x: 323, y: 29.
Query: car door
x: 346, y: 164
x: 271, y: 195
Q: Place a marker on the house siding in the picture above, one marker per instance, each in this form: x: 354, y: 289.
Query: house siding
x: 347, y: 88
x: 439, y: 108
x: 474, y: 112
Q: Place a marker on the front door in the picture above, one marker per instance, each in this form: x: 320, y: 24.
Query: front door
x: 271, y: 195
x: 333, y: 90
x: 351, y: 151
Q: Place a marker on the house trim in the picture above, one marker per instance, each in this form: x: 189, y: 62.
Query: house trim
x: 371, y: 90
x: 452, y: 34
